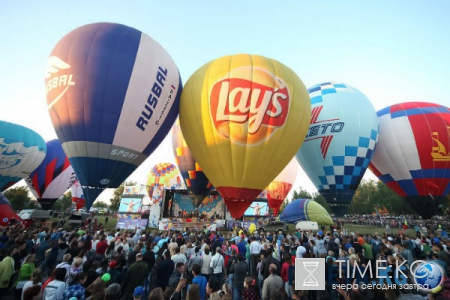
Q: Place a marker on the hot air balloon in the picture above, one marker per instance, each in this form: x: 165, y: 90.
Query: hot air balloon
x: 21, y: 151
x: 340, y: 142
x: 194, y: 178
x: 113, y: 95
x: 163, y: 176
x: 6, y: 212
x: 305, y: 210
x: 77, y: 195
x: 53, y: 177
x: 413, y: 153
x: 243, y: 118
x: 279, y: 188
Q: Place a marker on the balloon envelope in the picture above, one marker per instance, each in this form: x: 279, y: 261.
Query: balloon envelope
x: 340, y: 142
x: 21, y: 151
x: 77, y: 195
x: 194, y: 178
x: 113, y: 95
x: 279, y: 188
x: 243, y: 118
x: 413, y: 153
x: 6, y: 212
x: 163, y: 176
x: 53, y: 177
x: 305, y: 210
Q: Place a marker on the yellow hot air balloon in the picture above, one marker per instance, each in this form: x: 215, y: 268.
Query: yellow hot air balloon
x: 243, y: 118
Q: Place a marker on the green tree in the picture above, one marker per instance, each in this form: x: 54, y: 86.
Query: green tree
x: 117, y: 196
x: 321, y: 200
x: 18, y: 197
x: 375, y: 194
x: 100, y: 204
x: 64, y: 202
x: 301, y: 194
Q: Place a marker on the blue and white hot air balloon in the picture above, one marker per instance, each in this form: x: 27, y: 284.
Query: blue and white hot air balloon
x: 113, y: 95
x: 21, y: 151
x: 340, y: 142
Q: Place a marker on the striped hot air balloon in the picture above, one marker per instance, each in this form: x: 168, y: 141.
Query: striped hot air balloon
x: 413, y: 153
x: 113, y: 95
x: 305, y: 210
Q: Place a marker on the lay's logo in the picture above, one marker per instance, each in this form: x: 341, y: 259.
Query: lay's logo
x: 249, y: 111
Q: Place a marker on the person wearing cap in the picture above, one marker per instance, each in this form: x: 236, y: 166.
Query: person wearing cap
x: 114, y: 272
x: 138, y: 292
x: 135, y: 276
x: 98, y: 287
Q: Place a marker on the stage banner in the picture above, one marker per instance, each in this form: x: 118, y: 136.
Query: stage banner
x: 130, y: 221
x: 135, y: 190
x: 211, y: 205
x: 167, y: 224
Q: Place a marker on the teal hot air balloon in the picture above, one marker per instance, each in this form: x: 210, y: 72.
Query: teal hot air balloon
x: 305, y: 210
x: 340, y: 142
x: 21, y: 151
x: 113, y: 95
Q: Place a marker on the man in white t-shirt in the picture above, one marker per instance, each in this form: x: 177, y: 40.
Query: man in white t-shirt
x: 300, y: 251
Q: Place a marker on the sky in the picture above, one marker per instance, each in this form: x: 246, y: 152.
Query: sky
x: 392, y: 51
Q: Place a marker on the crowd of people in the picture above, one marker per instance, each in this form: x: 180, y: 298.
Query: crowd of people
x: 85, y: 263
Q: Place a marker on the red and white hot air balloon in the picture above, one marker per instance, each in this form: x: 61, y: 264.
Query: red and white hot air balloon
x: 77, y: 195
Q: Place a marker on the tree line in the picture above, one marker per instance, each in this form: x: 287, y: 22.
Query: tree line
x: 369, y: 196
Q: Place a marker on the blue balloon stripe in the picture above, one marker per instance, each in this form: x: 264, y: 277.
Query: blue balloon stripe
x: 419, y: 111
x: 421, y: 174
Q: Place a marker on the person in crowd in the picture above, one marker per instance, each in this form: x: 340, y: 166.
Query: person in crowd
x: 194, y: 292
x: 240, y: 271
x: 217, y: 265
x: 200, y: 280
x: 285, y: 275
x: 35, y: 279
x: 7, y: 269
x: 113, y: 292
x: 250, y: 292
x: 54, y: 290
x: 139, y: 293
x: 76, y: 289
x: 26, y: 270
x: 177, y: 273
x: 164, y: 271
x: 272, y: 283
x: 206, y: 269
x: 177, y: 257
x: 34, y: 292
x: 135, y: 276
x: 97, y: 289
